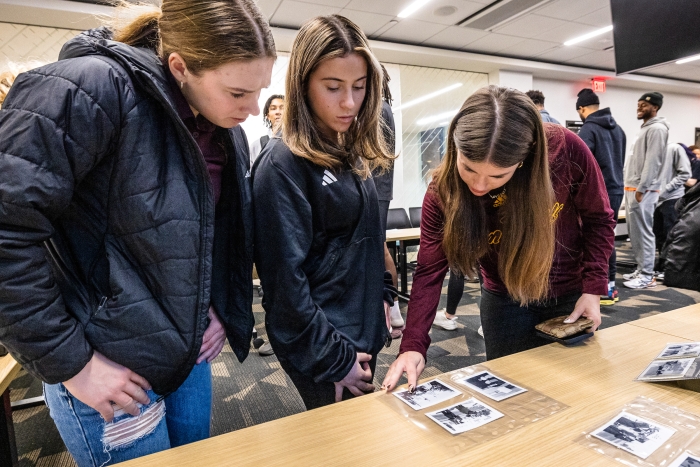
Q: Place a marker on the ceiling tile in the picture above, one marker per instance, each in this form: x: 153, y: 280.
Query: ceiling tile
x: 384, y: 7
x: 369, y: 22
x: 336, y: 3
x: 566, y: 31
x: 492, y: 43
x: 268, y: 7
x: 667, y: 69
x: 571, y: 9
x: 599, y: 18
x: 562, y: 53
x: 690, y: 74
x: 529, y: 48
x: 529, y: 26
x: 455, y: 37
x: 593, y: 58
x: 412, y: 31
x: 463, y: 8
x: 293, y: 14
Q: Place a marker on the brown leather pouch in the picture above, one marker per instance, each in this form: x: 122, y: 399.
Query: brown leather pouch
x: 556, y: 327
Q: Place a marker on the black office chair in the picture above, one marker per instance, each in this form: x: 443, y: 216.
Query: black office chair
x: 397, y: 219
x: 414, y: 215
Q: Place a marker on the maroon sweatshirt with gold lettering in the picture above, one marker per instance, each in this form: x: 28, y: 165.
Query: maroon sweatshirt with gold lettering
x: 584, y: 233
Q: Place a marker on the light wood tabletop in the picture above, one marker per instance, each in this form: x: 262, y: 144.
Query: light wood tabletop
x: 595, y: 379
x: 683, y: 322
x: 8, y: 370
x: 396, y: 235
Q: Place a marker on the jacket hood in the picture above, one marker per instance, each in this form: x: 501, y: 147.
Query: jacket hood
x: 659, y: 120
x: 602, y: 118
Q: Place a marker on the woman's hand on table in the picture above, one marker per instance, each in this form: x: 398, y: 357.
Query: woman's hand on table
x: 411, y: 363
x: 588, y: 306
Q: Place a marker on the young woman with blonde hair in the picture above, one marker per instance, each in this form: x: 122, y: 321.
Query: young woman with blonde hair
x: 318, y: 243
x: 125, y: 222
x: 526, y: 203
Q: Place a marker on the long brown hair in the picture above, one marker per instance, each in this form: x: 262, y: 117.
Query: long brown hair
x: 362, y: 146
x: 501, y: 126
x: 206, y: 33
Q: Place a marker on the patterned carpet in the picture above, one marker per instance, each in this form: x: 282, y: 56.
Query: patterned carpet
x: 258, y: 390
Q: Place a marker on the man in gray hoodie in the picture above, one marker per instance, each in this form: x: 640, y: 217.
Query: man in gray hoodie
x: 675, y: 171
x: 643, y: 180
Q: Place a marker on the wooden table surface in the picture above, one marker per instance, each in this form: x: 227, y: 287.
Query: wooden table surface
x: 8, y: 370
x: 394, y: 235
x: 595, y: 379
x: 683, y: 322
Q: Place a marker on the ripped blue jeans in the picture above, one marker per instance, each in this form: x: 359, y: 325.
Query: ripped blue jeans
x: 182, y: 417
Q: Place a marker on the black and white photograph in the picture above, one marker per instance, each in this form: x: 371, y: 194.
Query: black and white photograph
x: 686, y: 460
x: 666, y: 369
x: 492, y: 386
x: 681, y: 350
x: 633, y: 434
x: 464, y: 416
x: 427, y: 394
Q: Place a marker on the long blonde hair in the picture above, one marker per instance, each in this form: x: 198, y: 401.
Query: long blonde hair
x: 8, y: 77
x: 205, y: 33
x: 503, y: 127
x: 362, y: 146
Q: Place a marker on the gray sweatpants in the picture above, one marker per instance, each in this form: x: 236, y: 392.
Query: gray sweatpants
x: 640, y: 224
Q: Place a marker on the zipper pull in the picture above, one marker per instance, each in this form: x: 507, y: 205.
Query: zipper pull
x: 101, y: 306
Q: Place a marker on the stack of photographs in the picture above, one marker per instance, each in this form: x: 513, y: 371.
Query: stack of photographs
x: 634, y: 434
x: 672, y: 363
x: 467, y: 414
x: 686, y: 460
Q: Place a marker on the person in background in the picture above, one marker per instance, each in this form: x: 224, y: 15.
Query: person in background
x: 538, y: 98
x: 384, y: 183
x: 642, y: 177
x: 319, y: 245
x: 126, y: 259
x: 693, y: 153
x: 526, y: 202
x: 272, y: 118
x: 607, y: 141
x: 675, y: 172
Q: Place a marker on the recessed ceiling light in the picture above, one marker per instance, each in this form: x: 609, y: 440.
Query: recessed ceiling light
x: 590, y: 35
x: 429, y: 96
x: 412, y: 8
x: 445, y: 11
x: 688, y: 59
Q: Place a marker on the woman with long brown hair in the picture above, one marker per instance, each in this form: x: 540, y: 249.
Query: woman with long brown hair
x: 319, y: 247
x: 125, y: 222
x: 526, y: 203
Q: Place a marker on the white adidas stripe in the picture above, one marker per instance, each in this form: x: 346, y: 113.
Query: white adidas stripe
x: 327, y: 173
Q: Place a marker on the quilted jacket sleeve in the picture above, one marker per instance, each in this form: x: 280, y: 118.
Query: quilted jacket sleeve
x: 56, y: 124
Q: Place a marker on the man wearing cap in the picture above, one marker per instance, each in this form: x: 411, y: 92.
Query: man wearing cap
x: 607, y: 142
x: 642, y: 185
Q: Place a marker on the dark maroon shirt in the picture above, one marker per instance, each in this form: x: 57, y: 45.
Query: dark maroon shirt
x: 584, y: 237
x: 204, y: 133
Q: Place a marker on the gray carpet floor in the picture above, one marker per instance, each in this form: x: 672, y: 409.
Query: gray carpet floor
x: 258, y: 390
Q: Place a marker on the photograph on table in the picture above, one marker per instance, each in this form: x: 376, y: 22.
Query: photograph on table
x: 634, y: 434
x: 427, y: 394
x: 492, y: 386
x: 464, y: 416
x: 686, y: 460
x: 681, y: 350
x: 660, y: 370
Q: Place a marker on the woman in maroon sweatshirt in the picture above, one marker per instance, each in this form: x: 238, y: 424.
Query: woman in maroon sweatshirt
x: 526, y: 202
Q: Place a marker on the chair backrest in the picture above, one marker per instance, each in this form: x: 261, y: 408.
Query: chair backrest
x: 414, y: 215
x: 397, y: 219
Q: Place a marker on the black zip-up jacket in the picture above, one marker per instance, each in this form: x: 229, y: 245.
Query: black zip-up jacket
x: 319, y: 253
x: 109, y: 238
x: 607, y: 142
x: 682, y: 247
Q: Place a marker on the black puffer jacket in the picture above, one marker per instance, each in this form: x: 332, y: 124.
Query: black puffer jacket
x: 109, y: 239
x: 682, y: 247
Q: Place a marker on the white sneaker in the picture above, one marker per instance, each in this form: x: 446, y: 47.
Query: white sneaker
x: 396, y: 318
x: 632, y: 275
x: 265, y: 350
x: 641, y: 282
x: 443, y: 322
x: 659, y: 275
x: 480, y: 331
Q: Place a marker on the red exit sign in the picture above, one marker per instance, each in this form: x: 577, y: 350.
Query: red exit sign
x: 598, y: 86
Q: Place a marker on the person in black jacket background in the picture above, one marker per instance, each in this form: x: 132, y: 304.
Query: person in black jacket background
x: 318, y: 243
x: 125, y: 223
x: 607, y: 142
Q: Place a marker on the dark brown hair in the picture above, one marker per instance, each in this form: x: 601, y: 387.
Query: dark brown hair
x: 362, y: 146
x: 205, y: 33
x: 500, y: 126
x: 536, y: 96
